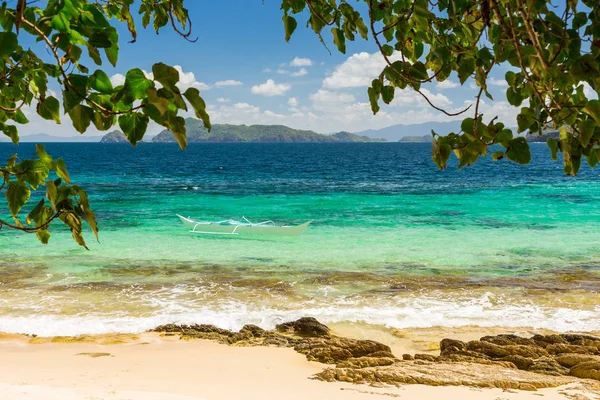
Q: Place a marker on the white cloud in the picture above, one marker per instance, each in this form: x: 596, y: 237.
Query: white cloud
x: 409, y: 97
x: 246, y: 107
x: 282, y: 71
x: 269, y: 113
x: 497, y: 82
x: 293, y: 102
x: 188, y: 80
x: 301, y: 62
x: 228, y: 82
x: 270, y: 88
x: 325, y: 96
x: 357, y: 71
x: 300, y: 72
x: 447, y: 84
x: 223, y: 100
x: 267, y: 70
x: 117, y: 79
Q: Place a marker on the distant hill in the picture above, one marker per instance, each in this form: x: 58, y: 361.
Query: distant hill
x: 114, y: 137
x: 396, y: 132
x: 545, y: 135
x: 254, y: 133
x: 44, y: 138
x: 417, y: 139
x: 352, y: 137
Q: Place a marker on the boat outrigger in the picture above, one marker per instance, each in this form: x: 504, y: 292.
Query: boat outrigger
x: 232, y: 227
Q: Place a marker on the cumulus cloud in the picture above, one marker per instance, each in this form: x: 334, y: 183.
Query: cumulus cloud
x: 326, y: 96
x: 357, y: 71
x: 228, y: 82
x: 282, y: 71
x: 293, y: 101
x: 270, y: 88
x: 301, y: 62
x: 267, y: 70
x: 447, y: 84
x: 223, y: 100
x: 300, y: 72
x: 497, y: 82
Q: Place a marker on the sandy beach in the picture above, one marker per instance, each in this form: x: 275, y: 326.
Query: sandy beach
x: 151, y: 366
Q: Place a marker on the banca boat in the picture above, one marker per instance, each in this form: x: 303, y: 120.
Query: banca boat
x: 233, y: 227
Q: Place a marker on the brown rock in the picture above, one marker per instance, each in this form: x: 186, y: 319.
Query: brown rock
x: 425, y: 357
x: 365, y: 362
x: 508, y: 340
x: 306, y: 326
x: 571, y: 348
x: 587, y: 370
x: 407, y: 357
x: 496, y: 351
x: 548, y: 366
x: 334, y: 349
x: 571, y: 360
x: 450, y: 345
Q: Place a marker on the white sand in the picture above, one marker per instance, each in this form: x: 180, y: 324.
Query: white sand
x: 170, y: 369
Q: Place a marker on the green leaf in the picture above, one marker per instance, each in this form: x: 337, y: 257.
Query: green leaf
x: 8, y: 43
x: 61, y: 170
x: 193, y: 96
x: 43, y: 236
x: 166, y: 75
x: 497, y: 155
x: 518, y: 151
x: 593, y: 109
x: 49, y: 109
x: 387, y: 94
x: 136, y: 85
x: 52, y: 193
x: 592, y: 158
x: 88, y: 214
x: 101, y: 82
x: 373, y: 99
x: 17, y: 195
x: 82, y: 117
x: 289, y: 26
x: 586, y: 131
x: 339, y: 39
x: 45, y: 157
x: 134, y: 126
x: 553, y: 145
x: 35, y: 213
x: 177, y: 127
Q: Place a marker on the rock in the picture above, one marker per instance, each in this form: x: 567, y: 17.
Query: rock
x: 571, y: 348
x: 452, y: 345
x: 407, y: 357
x: 519, y: 361
x: 425, y: 357
x: 306, y: 326
x: 587, y: 370
x: 549, y: 339
x: 548, y: 366
x: 508, y: 340
x: 497, y: 351
x: 365, y: 362
x: 334, y: 349
x: 571, y: 360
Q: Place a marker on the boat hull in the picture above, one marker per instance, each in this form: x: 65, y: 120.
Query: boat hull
x: 216, y: 229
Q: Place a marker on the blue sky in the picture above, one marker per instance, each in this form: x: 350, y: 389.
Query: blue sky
x: 248, y: 74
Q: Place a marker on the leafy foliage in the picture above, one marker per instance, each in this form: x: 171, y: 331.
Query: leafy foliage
x: 77, y: 33
x: 551, y: 53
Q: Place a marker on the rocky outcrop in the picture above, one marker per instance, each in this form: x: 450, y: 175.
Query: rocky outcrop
x: 502, y: 361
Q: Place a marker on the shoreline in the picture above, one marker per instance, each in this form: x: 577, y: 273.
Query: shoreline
x: 172, y: 366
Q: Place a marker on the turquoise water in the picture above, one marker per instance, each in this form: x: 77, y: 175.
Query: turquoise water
x: 394, y: 242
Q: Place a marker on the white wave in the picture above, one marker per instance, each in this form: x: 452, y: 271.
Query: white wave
x: 420, y: 313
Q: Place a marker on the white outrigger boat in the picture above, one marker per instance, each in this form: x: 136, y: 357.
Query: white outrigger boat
x: 232, y: 227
